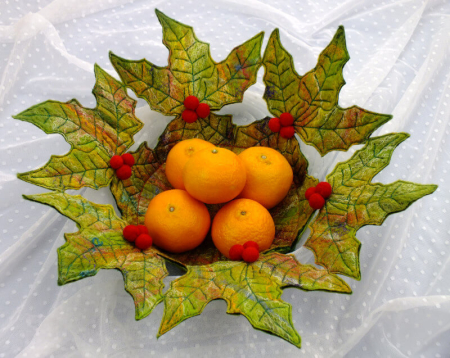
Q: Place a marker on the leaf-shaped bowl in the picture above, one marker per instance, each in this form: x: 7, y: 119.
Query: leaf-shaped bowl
x: 148, y: 179
x: 97, y: 134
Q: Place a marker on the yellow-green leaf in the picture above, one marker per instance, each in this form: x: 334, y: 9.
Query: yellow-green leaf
x: 356, y: 202
x: 232, y: 76
x: 288, y: 272
x: 95, y: 135
x: 189, y: 58
x: 281, y: 79
x: 312, y: 99
x: 253, y: 290
x: 99, y: 244
x: 74, y: 170
x: 157, y: 85
x: 191, y: 71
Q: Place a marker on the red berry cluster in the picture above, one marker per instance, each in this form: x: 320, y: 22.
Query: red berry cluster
x: 284, y: 125
x: 316, y: 195
x: 139, y: 235
x: 122, y: 164
x: 249, y: 252
x: 194, y: 109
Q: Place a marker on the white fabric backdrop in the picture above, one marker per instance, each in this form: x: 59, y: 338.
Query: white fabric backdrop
x: 399, y: 64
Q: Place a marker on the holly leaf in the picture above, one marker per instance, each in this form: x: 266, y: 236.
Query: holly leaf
x: 95, y: 135
x: 99, y: 244
x: 312, y: 99
x: 191, y: 71
x: 253, y: 290
x: 356, y: 202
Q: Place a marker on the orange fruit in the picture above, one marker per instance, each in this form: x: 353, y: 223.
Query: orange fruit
x: 269, y: 175
x: 242, y: 220
x: 179, y: 155
x: 214, y: 176
x: 176, y: 221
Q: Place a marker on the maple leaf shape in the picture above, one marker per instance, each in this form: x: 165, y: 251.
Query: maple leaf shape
x: 99, y: 244
x: 191, y: 71
x: 312, y: 99
x: 252, y: 290
x: 356, y: 202
x: 95, y: 135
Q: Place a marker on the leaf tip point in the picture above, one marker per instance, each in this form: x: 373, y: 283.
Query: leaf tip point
x: 160, y: 333
x: 138, y: 316
x: 340, y: 32
x: 19, y: 116
x: 98, y: 70
x: 275, y: 33
x: 261, y: 37
x: 403, y: 136
x: 112, y: 57
x: 160, y: 15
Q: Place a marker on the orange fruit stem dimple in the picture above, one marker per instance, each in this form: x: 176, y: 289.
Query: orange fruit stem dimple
x: 269, y: 175
x: 176, y: 221
x: 214, y: 176
x: 178, y: 157
x: 240, y: 221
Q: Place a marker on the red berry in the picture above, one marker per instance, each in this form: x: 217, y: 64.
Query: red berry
x: 287, y: 132
x: 310, y: 192
x: 251, y: 244
x: 286, y: 119
x: 128, y: 159
x: 189, y: 116
x: 142, y: 229
x: 191, y: 102
x: 143, y: 242
x: 124, y: 172
x: 250, y: 254
x: 236, y: 252
x: 130, y: 233
x: 203, y: 110
x: 116, y: 162
x: 316, y: 201
x: 274, y: 124
x: 324, y: 189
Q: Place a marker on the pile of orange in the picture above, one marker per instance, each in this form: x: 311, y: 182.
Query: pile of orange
x: 250, y: 183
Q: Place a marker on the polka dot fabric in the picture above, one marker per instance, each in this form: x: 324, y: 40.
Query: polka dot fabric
x: 399, y: 64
